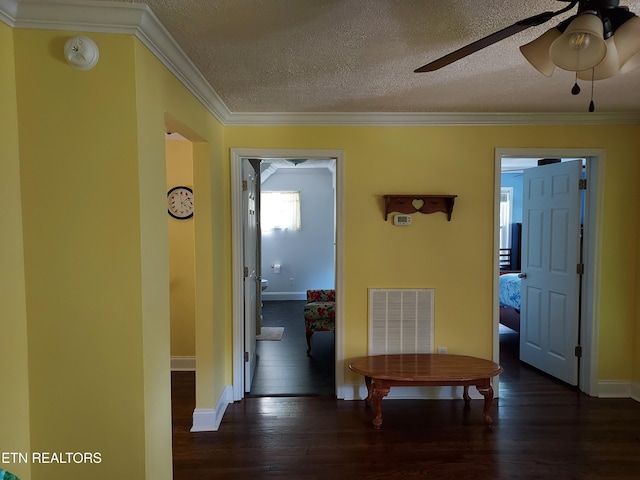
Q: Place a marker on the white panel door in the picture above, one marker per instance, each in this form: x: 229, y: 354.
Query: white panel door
x: 251, y: 278
x: 549, y: 321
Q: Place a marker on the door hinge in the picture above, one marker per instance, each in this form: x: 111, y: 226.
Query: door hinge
x: 578, y: 351
x: 580, y: 269
x: 246, y: 272
x: 245, y: 187
x: 582, y: 184
x: 246, y: 356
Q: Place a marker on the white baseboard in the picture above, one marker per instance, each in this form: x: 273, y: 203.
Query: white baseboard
x: 267, y: 296
x: 359, y: 392
x: 614, y: 389
x: 209, y: 419
x: 635, y: 391
x: 183, y: 364
x: 606, y: 389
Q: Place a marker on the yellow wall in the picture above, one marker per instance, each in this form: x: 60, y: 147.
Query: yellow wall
x: 89, y: 305
x: 181, y: 258
x: 154, y: 248
x: 164, y: 102
x: 636, y: 369
x: 81, y: 216
x: 14, y: 371
x: 457, y: 257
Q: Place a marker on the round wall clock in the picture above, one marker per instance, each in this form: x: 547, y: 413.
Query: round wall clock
x: 180, y: 200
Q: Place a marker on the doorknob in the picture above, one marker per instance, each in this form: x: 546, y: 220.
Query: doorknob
x: 522, y: 275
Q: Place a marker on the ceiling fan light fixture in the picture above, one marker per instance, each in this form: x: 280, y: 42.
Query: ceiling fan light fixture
x: 537, y: 52
x: 582, y: 45
x: 623, y: 50
x: 627, y: 40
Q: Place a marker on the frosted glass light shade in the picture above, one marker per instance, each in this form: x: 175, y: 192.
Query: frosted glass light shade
x: 627, y: 38
x: 581, y: 46
x: 537, y: 52
x: 631, y: 64
x: 608, y: 67
x: 623, y: 52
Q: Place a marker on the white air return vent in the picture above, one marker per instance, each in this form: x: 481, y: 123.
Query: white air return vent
x: 400, y: 321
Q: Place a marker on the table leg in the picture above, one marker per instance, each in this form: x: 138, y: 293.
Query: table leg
x: 367, y: 381
x: 379, y: 392
x: 465, y: 395
x: 487, y: 392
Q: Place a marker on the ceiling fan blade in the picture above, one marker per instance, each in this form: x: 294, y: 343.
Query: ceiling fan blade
x: 495, y: 37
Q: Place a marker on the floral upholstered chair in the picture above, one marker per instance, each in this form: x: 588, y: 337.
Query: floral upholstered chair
x: 319, y: 313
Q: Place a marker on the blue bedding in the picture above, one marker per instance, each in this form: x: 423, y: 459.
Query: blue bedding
x: 510, y: 290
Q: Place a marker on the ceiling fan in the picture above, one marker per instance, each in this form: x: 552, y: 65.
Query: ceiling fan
x: 582, y: 43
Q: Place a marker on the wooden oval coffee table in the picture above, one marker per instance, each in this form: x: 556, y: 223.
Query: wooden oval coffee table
x: 381, y: 372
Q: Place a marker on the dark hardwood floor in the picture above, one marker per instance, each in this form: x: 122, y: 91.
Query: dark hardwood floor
x: 542, y: 429
x: 283, y: 367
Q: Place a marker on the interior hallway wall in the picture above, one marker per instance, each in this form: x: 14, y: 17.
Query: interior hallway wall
x: 306, y: 257
x: 456, y: 257
x: 14, y: 368
x: 181, y: 254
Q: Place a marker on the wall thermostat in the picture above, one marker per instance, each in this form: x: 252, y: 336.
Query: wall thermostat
x: 402, y: 220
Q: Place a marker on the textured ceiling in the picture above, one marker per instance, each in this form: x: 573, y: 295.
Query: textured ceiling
x: 359, y: 56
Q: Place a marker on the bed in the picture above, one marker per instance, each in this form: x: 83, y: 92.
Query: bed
x: 510, y: 300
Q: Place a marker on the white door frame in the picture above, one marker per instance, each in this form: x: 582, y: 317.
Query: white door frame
x: 237, y: 155
x: 588, y: 376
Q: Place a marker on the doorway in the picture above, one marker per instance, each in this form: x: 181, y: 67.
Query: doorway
x: 240, y: 157
x: 297, y: 253
x: 181, y: 231
x: 593, y: 161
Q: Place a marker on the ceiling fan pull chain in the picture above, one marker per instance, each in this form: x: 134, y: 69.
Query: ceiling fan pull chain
x: 592, y: 106
x: 576, y: 88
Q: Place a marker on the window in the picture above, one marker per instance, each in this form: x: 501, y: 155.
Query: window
x: 506, y: 200
x: 279, y: 211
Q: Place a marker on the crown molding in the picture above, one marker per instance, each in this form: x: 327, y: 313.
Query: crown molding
x: 8, y: 11
x: 160, y: 42
x: 87, y: 16
x: 122, y: 18
x: 139, y: 20
x: 433, y: 118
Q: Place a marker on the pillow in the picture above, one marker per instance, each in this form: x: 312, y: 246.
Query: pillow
x: 4, y: 475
